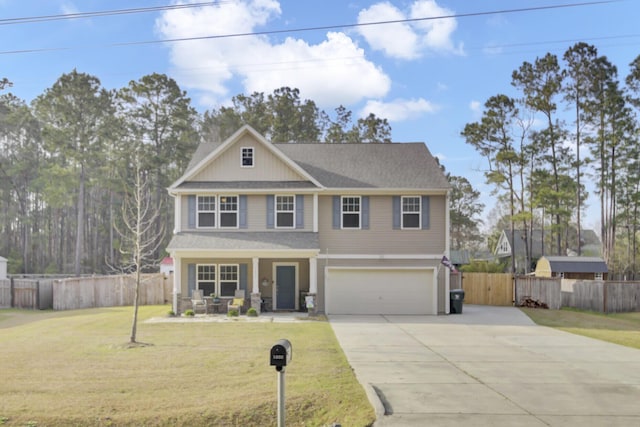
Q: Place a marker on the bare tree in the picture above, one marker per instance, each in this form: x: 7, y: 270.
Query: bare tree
x: 140, y: 237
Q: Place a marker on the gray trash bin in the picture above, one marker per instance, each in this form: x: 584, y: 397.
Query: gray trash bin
x: 456, y: 298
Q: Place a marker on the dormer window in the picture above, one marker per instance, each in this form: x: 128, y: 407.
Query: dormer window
x: 246, y: 157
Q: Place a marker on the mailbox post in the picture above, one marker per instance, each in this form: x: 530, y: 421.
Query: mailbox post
x: 280, y: 356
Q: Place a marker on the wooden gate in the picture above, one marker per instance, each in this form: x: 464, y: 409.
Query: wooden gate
x: 488, y: 288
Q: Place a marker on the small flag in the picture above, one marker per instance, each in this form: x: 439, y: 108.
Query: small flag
x: 445, y: 261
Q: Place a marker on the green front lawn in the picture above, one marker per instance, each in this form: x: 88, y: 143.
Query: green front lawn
x: 621, y: 328
x: 74, y: 368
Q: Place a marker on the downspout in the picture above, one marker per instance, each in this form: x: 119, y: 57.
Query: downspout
x: 447, y: 243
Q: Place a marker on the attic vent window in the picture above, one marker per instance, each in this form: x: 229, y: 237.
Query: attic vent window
x: 247, y: 157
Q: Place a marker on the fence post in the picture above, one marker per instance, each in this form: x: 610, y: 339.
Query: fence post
x: 37, y: 307
x: 604, y: 297
x: 12, y: 292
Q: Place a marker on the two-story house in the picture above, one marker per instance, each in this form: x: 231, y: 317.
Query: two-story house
x: 361, y: 228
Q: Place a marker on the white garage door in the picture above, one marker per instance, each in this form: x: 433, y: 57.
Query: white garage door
x: 380, y: 291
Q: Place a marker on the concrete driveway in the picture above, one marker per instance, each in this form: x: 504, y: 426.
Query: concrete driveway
x: 490, y: 366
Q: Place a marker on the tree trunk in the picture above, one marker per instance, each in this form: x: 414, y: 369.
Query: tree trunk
x: 80, y: 225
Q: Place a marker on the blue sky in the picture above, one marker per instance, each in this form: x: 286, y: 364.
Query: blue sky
x: 428, y: 77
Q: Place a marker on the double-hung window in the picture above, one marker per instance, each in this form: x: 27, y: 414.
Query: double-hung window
x: 206, y: 211
x: 217, y: 211
x: 246, y: 157
x: 350, y: 212
x: 410, y: 212
x: 228, y: 211
x: 285, y: 211
x: 206, y: 279
x: 228, y: 279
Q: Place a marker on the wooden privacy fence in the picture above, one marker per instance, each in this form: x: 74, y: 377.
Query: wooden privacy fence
x: 5, y: 293
x: 488, y: 288
x: 26, y: 293
x: 83, y: 292
x: 543, y: 289
x: 605, y: 297
x: 110, y: 291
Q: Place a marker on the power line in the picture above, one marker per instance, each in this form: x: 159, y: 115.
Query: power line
x: 317, y: 28
x: 114, y: 12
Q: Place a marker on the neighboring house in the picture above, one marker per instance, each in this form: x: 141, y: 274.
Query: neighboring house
x: 504, y: 245
x: 590, y: 246
x: 361, y: 228
x: 166, y: 266
x: 572, y: 267
x: 460, y: 257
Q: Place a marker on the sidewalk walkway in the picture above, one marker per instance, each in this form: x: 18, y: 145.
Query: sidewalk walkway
x: 269, y: 317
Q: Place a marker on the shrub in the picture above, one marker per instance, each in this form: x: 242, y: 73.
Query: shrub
x: 171, y: 313
x: 189, y: 313
x: 252, y: 312
x: 233, y: 313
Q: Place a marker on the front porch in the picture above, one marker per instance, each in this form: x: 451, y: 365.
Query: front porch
x: 270, y: 284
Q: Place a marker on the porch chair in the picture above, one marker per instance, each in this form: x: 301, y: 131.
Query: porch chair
x: 237, y: 302
x: 197, y: 300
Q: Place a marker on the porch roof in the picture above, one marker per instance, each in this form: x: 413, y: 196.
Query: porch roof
x: 249, y: 241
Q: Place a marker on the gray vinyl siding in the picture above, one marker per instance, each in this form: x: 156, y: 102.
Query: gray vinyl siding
x: 256, y: 214
x: 267, y: 166
x: 381, y: 238
x: 265, y: 269
x: 184, y: 271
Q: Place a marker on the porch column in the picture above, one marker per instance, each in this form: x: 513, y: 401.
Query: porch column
x: 177, y: 273
x: 254, y: 276
x: 313, y: 275
x: 311, y: 299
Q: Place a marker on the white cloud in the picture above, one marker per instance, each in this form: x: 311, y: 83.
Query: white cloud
x: 332, y: 72
x: 395, y: 40
x: 409, y: 40
x: 399, y: 109
x: 68, y: 8
x: 475, y: 106
x: 436, y: 32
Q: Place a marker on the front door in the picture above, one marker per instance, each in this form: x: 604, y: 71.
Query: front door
x: 285, y: 287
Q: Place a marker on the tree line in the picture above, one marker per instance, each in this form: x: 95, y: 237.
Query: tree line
x: 69, y: 158
x: 573, y: 122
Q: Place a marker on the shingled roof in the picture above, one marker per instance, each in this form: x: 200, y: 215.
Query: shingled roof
x: 395, y: 165
x: 574, y: 264
x: 259, y: 241
x: 400, y: 166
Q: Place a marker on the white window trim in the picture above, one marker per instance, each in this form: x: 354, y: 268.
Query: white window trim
x: 237, y: 212
x: 214, y: 212
x: 219, y: 278
x: 253, y: 157
x: 402, y: 212
x: 218, y: 212
x: 342, y: 213
x: 275, y: 207
x: 215, y: 278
